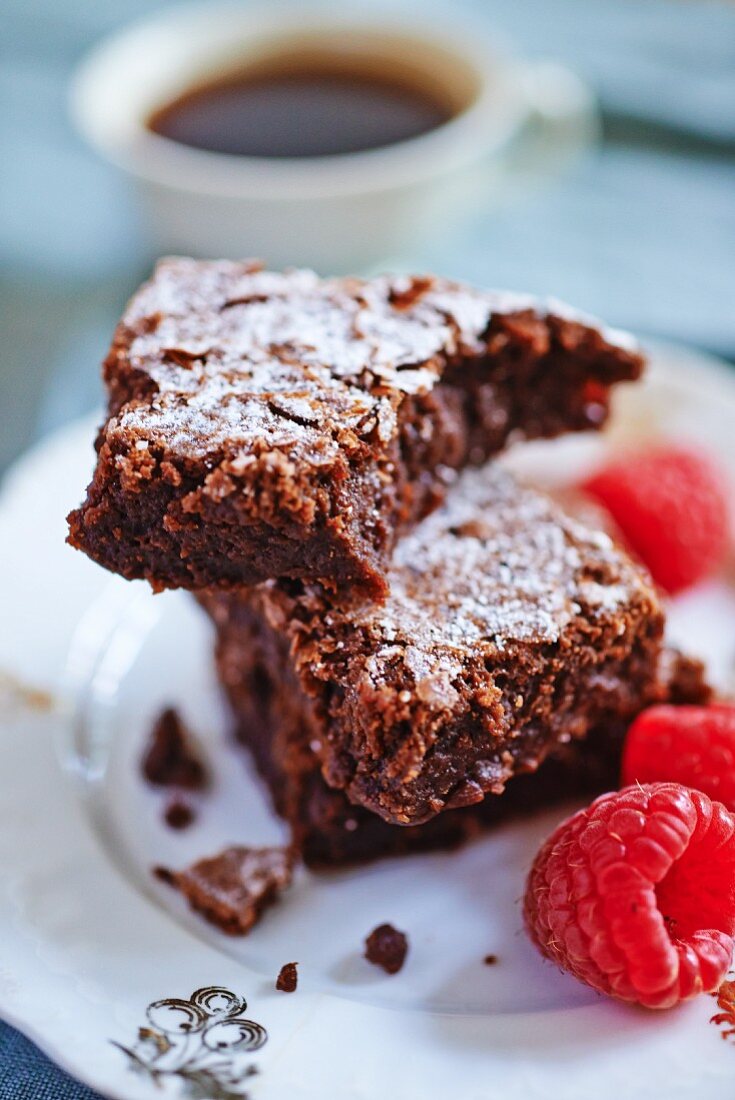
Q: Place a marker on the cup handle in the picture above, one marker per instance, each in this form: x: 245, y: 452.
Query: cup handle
x: 562, y: 122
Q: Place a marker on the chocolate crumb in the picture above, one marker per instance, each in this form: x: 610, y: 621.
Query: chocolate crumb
x: 288, y: 978
x: 490, y: 960
x: 232, y: 889
x: 165, y: 874
x: 386, y: 947
x: 686, y: 679
x: 169, y: 760
x: 179, y: 814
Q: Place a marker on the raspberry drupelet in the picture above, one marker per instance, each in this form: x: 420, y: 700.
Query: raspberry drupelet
x: 635, y: 895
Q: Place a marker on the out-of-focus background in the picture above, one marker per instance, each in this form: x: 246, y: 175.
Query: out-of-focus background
x: 641, y: 232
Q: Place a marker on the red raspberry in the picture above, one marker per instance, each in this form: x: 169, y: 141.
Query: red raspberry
x: 690, y: 745
x: 636, y: 894
x: 671, y: 506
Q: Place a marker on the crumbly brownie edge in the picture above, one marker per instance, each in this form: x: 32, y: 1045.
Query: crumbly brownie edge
x: 161, y: 520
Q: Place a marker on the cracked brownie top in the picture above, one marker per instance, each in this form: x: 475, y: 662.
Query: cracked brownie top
x: 265, y: 424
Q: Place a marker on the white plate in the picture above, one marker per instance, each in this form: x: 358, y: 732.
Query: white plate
x: 88, y: 940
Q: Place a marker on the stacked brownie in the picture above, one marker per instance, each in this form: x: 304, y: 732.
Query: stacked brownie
x: 277, y: 723
x: 399, y: 639
x: 265, y: 425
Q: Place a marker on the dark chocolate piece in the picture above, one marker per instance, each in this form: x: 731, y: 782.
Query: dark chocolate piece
x: 169, y: 760
x: 265, y: 425
x: 490, y: 960
x: 232, y: 889
x: 510, y: 629
x: 386, y: 947
x: 288, y: 978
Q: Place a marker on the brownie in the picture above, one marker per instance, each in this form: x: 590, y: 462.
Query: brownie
x: 509, y: 628
x: 276, y: 721
x: 267, y: 424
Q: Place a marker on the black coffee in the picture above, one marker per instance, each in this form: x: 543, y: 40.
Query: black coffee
x: 312, y: 111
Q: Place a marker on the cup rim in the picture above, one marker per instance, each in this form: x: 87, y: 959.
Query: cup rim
x: 485, y: 125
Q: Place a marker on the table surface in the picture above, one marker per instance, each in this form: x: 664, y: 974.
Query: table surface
x: 642, y: 232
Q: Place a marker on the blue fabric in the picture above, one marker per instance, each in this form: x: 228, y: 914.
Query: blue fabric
x: 26, y: 1074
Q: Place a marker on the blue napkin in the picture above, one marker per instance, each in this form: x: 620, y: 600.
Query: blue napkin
x: 26, y: 1074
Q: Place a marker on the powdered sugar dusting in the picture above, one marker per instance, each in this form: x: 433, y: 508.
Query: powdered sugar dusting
x: 497, y: 564
x: 221, y: 339
x: 497, y: 571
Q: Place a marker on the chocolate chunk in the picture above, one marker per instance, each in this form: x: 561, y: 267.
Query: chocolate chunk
x: 490, y: 960
x: 232, y: 889
x: 169, y: 760
x: 288, y: 978
x: 386, y: 947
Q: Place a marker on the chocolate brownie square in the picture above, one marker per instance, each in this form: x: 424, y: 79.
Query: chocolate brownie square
x: 266, y: 425
x: 278, y: 723
x: 509, y: 628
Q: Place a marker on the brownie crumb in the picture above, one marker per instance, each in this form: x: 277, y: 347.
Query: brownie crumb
x: 685, y: 678
x: 232, y: 889
x: 288, y: 978
x: 165, y: 874
x: 179, y: 814
x: 490, y: 960
x: 386, y: 947
x: 168, y: 760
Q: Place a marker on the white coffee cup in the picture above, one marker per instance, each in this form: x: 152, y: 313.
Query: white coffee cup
x: 334, y: 213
